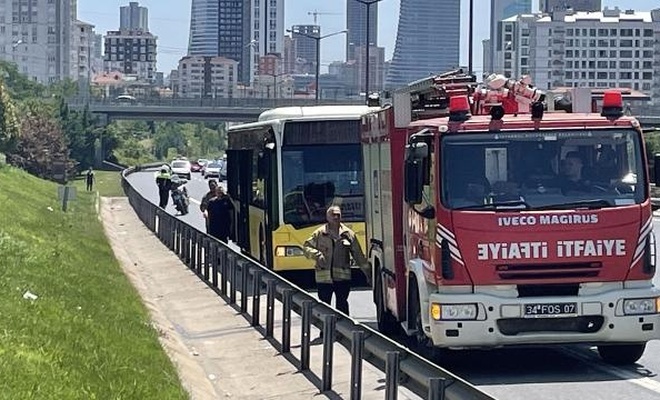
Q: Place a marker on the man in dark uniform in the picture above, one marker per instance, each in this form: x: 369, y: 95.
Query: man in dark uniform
x: 90, y: 179
x: 204, y: 204
x: 164, y: 183
x: 220, y: 215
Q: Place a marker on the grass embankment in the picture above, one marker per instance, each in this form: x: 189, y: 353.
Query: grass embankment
x: 86, y: 335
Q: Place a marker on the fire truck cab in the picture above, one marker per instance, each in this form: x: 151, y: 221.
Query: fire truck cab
x: 492, y: 222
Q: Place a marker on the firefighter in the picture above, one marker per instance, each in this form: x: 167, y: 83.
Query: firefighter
x: 164, y: 183
x: 331, y: 246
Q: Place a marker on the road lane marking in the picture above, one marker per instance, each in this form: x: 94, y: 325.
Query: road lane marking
x: 628, y: 376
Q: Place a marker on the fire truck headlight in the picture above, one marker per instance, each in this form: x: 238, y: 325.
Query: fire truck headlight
x: 640, y: 306
x: 451, y: 312
x: 288, y: 251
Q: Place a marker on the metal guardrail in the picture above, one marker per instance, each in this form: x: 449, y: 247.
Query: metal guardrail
x: 240, y: 280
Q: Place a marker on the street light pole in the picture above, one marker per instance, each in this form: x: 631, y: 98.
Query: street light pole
x: 318, y: 54
x: 317, y: 92
x: 368, y: 4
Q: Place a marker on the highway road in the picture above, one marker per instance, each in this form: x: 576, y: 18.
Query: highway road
x: 549, y: 373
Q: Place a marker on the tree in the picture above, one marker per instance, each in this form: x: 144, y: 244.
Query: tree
x: 41, y: 143
x: 9, y: 125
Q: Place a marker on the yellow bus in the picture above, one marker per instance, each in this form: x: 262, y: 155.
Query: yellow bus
x: 285, y: 170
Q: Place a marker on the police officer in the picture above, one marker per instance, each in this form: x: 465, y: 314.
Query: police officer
x: 331, y: 246
x: 164, y: 183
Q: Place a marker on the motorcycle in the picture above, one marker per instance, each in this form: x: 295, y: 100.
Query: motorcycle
x: 180, y: 197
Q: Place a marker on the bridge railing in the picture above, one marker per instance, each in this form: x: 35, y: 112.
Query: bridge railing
x: 208, y: 102
x: 243, y: 283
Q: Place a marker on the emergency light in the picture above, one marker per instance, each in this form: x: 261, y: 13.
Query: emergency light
x: 612, y: 104
x: 459, y: 108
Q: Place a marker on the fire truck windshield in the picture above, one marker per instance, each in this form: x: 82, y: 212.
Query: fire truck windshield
x: 317, y: 176
x: 542, y: 170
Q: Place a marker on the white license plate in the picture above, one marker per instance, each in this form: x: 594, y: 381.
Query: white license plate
x: 550, y: 310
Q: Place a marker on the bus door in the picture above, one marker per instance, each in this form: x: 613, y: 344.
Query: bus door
x: 239, y: 187
x: 266, y: 174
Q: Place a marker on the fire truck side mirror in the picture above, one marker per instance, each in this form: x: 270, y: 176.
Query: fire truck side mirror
x: 414, y: 167
x: 656, y: 169
x: 414, y: 178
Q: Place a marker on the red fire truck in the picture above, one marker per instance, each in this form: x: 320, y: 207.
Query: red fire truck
x: 492, y: 221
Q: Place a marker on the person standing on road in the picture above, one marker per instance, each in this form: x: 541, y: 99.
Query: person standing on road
x: 164, y: 183
x: 90, y: 179
x: 331, y: 246
x: 204, y: 204
x: 220, y: 215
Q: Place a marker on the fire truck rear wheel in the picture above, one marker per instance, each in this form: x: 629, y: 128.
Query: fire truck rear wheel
x: 386, y: 322
x: 622, y: 354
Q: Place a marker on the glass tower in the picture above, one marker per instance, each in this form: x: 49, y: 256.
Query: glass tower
x: 427, y: 41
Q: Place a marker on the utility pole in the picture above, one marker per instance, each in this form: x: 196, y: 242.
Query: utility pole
x: 470, y: 37
x: 368, y: 4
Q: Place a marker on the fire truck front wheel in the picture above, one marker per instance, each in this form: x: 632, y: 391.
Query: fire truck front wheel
x: 621, y: 354
x: 419, y: 342
x: 387, y: 324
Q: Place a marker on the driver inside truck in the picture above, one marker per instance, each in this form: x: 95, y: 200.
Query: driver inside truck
x: 571, y: 174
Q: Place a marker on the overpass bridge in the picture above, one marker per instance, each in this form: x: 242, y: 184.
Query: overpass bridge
x: 182, y: 110
x: 230, y: 110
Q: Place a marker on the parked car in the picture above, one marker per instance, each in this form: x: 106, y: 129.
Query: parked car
x: 182, y: 168
x: 211, y: 170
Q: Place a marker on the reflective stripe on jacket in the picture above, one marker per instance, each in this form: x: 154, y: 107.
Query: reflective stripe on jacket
x: 333, y: 255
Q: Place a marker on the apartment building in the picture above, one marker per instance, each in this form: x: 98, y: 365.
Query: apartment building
x: 205, y: 77
x: 132, y: 53
x: 37, y: 36
x: 610, y: 48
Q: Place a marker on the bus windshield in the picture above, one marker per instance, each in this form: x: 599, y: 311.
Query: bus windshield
x: 542, y: 170
x: 317, y: 176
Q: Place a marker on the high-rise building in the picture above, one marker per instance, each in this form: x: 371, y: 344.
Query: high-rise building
x: 356, y: 24
x: 427, y: 41
x: 499, y: 10
x: 548, y: 6
x: 37, y: 36
x: 133, y: 17
x: 241, y: 30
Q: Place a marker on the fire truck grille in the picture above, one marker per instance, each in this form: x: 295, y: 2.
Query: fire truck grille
x: 583, y: 324
x: 545, y: 271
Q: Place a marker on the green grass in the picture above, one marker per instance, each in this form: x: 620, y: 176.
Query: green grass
x: 87, y: 335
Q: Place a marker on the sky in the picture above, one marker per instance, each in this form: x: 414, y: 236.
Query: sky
x: 170, y: 20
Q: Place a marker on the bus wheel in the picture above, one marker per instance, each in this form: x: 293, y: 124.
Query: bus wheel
x: 621, y: 354
x: 387, y: 324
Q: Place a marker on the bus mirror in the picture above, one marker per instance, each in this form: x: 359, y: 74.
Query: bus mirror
x: 656, y: 169
x: 413, y: 181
